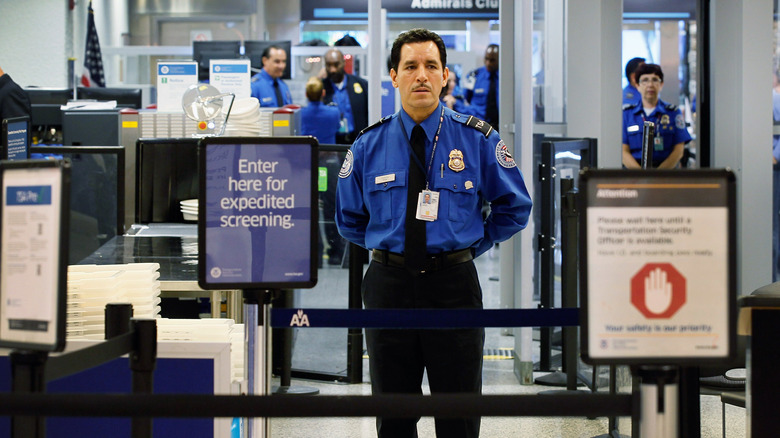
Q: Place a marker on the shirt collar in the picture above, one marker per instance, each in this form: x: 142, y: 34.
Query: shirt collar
x: 429, y: 125
x: 265, y: 75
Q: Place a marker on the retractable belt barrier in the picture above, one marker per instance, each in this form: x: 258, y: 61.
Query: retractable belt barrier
x: 395, y: 405
x: 423, y: 318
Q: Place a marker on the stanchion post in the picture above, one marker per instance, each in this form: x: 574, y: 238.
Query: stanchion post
x: 251, y: 303
x: 117, y: 319
x: 27, y: 374
x: 143, y: 359
x: 658, y: 401
x: 357, y: 258
x: 284, y: 298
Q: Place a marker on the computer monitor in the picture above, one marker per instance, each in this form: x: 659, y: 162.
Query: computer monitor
x: 15, y: 135
x: 166, y: 174
x: 45, y: 106
x: 59, y: 96
x: 253, y: 50
x: 97, y: 194
x: 124, y: 97
x: 205, y: 51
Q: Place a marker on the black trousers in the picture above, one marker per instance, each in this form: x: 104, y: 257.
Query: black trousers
x: 399, y: 357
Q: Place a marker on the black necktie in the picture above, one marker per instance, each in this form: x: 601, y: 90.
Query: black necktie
x: 491, y: 112
x: 278, y: 90
x: 414, y: 243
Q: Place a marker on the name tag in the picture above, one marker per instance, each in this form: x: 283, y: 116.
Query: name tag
x: 384, y: 178
x: 633, y: 128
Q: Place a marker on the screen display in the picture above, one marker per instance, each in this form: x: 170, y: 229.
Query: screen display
x: 16, y: 139
x: 257, y: 214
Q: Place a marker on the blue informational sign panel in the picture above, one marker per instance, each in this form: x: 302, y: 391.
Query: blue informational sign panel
x: 257, y: 213
x: 15, y: 138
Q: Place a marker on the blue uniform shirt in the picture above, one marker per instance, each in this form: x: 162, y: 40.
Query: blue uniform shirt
x: 341, y: 97
x: 631, y: 96
x: 371, y: 194
x: 669, y: 126
x: 263, y: 90
x: 320, y: 121
x: 476, y: 85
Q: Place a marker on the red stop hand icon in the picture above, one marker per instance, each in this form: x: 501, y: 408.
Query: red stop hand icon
x: 658, y: 290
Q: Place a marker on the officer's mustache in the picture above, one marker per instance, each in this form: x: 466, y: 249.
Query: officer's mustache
x: 426, y: 86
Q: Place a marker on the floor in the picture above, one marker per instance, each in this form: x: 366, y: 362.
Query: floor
x: 324, y: 350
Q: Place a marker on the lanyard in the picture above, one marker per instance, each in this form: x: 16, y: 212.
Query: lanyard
x: 433, y: 152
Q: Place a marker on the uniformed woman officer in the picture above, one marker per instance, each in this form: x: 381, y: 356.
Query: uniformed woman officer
x: 670, y: 132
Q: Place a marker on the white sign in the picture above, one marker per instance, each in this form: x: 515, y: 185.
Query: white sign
x: 231, y: 76
x: 173, y: 80
x: 659, y: 274
x: 657, y: 282
x: 29, y: 265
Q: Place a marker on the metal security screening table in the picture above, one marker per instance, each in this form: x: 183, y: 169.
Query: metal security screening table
x: 175, y: 248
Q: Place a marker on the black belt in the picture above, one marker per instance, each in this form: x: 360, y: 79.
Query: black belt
x: 434, y: 262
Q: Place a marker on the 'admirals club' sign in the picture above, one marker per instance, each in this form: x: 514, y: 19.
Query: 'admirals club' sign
x: 409, y: 9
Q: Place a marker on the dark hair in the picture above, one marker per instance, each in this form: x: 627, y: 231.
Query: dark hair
x: 632, y: 65
x: 647, y: 69
x: 267, y: 51
x: 416, y: 36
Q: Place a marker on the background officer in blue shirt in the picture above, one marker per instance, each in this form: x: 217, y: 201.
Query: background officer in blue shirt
x: 631, y: 92
x: 268, y: 86
x: 671, y: 134
x: 349, y: 92
x: 481, y: 87
x: 322, y: 121
x: 427, y: 263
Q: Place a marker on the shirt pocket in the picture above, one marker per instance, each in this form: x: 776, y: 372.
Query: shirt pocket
x: 387, y: 194
x: 458, y: 196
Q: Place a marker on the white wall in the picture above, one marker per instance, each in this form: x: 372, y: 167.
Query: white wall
x: 34, y: 41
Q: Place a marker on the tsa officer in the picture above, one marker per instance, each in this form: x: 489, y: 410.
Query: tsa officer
x: 481, y: 87
x: 349, y: 92
x: 631, y: 93
x: 268, y: 86
x: 671, y: 134
x: 423, y: 254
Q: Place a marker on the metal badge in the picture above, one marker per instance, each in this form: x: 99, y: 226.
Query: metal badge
x: 456, y: 161
x: 358, y: 89
x: 665, y: 119
x: 468, y: 185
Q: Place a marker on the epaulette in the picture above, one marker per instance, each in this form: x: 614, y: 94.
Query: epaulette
x: 670, y: 106
x: 370, y: 127
x: 628, y: 106
x: 480, y: 125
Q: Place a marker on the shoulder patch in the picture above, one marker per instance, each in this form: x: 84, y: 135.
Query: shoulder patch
x: 670, y: 107
x: 628, y: 106
x: 346, y: 166
x: 503, y: 156
x: 477, y: 124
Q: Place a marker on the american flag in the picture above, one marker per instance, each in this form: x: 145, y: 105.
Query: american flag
x: 92, y: 76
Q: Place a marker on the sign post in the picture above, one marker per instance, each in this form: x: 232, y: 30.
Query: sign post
x: 658, y: 274
x: 257, y: 222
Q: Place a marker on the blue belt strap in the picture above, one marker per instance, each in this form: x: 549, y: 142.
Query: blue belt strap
x: 424, y: 318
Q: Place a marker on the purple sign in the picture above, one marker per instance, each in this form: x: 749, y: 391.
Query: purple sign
x: 256, y: 214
